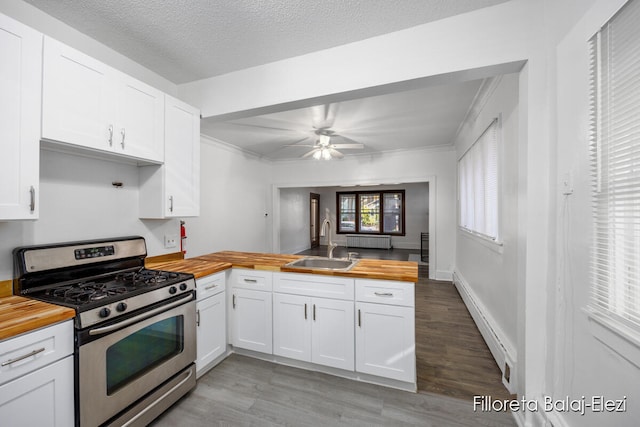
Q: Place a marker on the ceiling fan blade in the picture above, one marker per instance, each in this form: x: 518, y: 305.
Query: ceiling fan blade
x: 310, y: 153
x: 323, y: 116
x: 335, y: 153
x: 297, y: 143
x: 348, y: 146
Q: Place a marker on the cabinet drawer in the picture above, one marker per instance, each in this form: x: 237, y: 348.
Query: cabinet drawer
x: 314, y: 285
x: 210, y: 285
x: 385, y: 292
x: 40, y: 347
x: 258, y: 280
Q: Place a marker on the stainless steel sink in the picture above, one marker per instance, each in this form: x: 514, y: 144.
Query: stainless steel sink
x: 320, y: 263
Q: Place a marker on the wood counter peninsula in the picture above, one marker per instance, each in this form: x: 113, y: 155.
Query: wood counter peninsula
x: 404, y: 271
x: 357, y: 324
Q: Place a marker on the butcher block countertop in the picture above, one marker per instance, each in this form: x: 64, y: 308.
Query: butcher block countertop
x: 199, y: 268
x: 366, y: 268
x: 19, y: 315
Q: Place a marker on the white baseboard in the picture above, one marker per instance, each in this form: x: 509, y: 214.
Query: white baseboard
x: 501, y: 348
x: 444, y: 275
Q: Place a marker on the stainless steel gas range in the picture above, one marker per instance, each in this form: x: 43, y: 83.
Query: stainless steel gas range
x: 135, y: 330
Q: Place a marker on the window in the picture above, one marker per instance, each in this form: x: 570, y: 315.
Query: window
x: 615, y: 159
x: 478, y: 185
x: 371, y: 212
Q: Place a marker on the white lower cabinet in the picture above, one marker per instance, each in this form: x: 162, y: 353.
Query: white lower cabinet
x: 36, y: 378
x: 385, y: 329
x: 42, y: 398
x: 317, y: 330
x: 211, y: 321
x: 251, y: 319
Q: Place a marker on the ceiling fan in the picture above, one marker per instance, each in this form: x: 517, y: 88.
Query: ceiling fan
x: 323, y: 117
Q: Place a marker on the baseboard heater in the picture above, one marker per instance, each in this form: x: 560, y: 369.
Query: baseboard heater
x: 381, y: 241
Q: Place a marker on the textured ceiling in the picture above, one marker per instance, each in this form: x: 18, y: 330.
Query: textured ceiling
x: 186, y: 40
x: 424, y: 117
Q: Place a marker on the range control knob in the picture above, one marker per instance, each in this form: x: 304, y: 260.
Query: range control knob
x: 122, y: 306
x: 183, y: 286
x: 105, y: 312
x: 172, y: 290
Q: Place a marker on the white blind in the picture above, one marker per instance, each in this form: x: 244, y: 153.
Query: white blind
x: 478, y: 184
x: 615, y: 161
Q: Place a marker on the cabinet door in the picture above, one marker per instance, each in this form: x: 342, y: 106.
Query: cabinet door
x: 139, y: 122
x: 20, y: 50
x: 182, y: 159
x: 77, y: 98
x: 251, y: 320
x: 43, y: 397
x: 385, y: 341
x: 292, y: 326
x: 332, y: 333
x: 211, y: 334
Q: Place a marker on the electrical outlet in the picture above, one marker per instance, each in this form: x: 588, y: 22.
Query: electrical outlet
x: 170, y: 241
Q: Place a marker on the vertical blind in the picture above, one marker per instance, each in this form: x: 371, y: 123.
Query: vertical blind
x: 478, y: 184
x: 615, y: 166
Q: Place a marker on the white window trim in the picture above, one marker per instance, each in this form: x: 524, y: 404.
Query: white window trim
x: 622, y: 340
x: 493, y: 244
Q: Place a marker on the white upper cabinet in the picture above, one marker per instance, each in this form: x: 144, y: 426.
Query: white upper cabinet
x: 88, y: 104
x: 173, y: 189
x: 20, y: 89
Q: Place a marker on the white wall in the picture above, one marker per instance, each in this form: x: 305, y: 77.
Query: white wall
x: 294, y: 219
x: 235, y: 195
x: 418, y: 166
x: 490, y: 271
x: 78, y: 202
x: 583, y: 365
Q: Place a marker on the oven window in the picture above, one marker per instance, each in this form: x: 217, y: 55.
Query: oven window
x: 143, y: 350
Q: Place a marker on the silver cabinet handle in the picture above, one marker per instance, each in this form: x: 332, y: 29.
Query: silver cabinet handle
x: 25, y: 356
x: 110, y: 135
x: 359, y: 319
x: 170, y: 203
x: 314, y: 312
x: 210, y: 287
x: 122, y: 133
x: 305, y: 311
x: 233, y: 300
x: 383, y: 294
x: 197, y: 317
x: 251, y: 280
x: 32, y: 204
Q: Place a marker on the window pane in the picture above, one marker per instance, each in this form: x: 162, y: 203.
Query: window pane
x: 478, y: 184
x: 347, y: 206
x: 392, y: 203
x: 370, y: 212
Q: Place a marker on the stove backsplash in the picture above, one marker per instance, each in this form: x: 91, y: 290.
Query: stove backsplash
x: 78, y: 202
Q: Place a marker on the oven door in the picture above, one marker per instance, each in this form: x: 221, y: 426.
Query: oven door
x: 120, y: 365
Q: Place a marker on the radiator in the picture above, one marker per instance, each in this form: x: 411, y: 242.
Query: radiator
x: 374, y: 241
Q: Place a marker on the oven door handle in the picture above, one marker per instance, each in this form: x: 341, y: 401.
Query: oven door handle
x: 138, y: 318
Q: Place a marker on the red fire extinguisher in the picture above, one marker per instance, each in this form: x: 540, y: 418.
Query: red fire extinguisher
x: 183, y: 238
